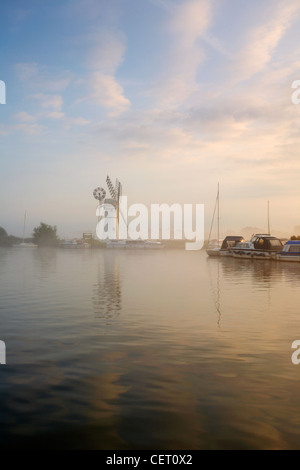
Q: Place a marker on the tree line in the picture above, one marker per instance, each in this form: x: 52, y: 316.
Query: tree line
x: 43, y: 235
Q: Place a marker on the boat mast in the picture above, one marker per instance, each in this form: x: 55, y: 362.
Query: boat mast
x: 269, y: 217
x: 217, y: 204
x: 218, y: 197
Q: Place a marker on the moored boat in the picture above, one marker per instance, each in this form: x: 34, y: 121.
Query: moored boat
x: 73, y: 244
x: 213, y: 248
x: 24, y: 245
x: 261, y: 246
x: 223, y: 248
x: 230, y: 242
x: 290, y: 251
x: 243, y: 250
x: 134, y: 244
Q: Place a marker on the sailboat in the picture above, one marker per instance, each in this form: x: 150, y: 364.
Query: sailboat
x: 25, y: 244
x: 213, y: 246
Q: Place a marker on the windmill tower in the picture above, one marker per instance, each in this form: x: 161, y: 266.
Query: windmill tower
x: 115, y: 193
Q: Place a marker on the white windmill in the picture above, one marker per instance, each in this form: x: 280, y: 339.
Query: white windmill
x: 109, y: 208
x: 116, y: 193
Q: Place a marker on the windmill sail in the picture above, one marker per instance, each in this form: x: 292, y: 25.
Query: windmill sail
x: 111, y: 188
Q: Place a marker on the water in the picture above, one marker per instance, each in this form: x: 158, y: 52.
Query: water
x: 161, y: 349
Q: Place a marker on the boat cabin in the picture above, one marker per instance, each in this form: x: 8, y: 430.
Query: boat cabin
x: 231, y: 241
x: 266, y: 242
x: 292, y: 246
x: 244, y: 246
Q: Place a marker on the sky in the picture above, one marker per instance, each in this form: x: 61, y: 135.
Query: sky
x: 170, y: 97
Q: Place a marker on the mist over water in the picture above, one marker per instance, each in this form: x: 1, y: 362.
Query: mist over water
x: 147, y: 349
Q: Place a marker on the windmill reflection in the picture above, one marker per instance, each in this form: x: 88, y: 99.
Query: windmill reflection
x: 107, y: 289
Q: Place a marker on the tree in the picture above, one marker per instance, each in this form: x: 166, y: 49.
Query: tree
x: 4, y: 241
x: 45, y: 235
x: 3, y: 233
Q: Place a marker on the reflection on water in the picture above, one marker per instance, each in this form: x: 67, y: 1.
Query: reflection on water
x: 152, y: 350
x: 107, y: 289
x: 215, y: 287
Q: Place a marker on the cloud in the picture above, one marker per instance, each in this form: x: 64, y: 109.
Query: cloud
x: 3, y: 130
x: 49, y: 100
x: 71, y: 122
x: 31, y: 129
x: 263, y: 39
x: 40, y: 77
x: 107, y: 92
x: 106, y: 52
x: 26, y: 71
x: 23, y: 116
x: 187, y: 24
x: 79, y: 121
x: 190, y: 20
x: 55, y: 115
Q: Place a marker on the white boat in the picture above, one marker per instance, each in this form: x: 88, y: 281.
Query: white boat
x: 24, y: 244
x: 261, y: 246
x: 73, y: 244
x: 243, y: 250
x: 115, y: 243
x: 134, y: 244
x: 230, y: 242
x: 290, y: 252
x: 213, y: 248
x: 217, y: 247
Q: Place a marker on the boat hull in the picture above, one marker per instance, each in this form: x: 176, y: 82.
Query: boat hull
x: 225, y: 253
x: 254, y: 254
x: 288, y: 257
x: 213, y: 252
x: 135, y: 245
x: 24, y: 245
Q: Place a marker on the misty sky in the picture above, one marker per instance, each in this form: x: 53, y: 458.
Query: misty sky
x: 171, y: 97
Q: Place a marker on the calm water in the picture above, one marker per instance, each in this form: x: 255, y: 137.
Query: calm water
x: 148, y: 350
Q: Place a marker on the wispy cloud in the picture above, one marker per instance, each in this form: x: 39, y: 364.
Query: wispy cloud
x: 262, y: 40
x: 23, y: 116
x: 106, y: 54
x: 106, y: 51
x: 188, y: 22
x: 107, y: 92
x: 49, y: 100
x: 41, y: 77
x: 29, y: 128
